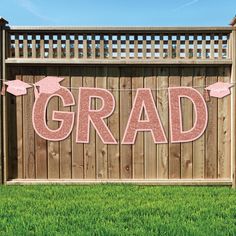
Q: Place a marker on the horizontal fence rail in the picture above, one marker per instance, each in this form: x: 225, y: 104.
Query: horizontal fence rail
x: 129, y: 44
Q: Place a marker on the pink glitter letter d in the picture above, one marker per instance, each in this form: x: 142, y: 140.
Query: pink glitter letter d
x: 201, y: 115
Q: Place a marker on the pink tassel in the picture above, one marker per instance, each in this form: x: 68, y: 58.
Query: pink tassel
x: 206, y: 95
x: 36, y: 93
x: 3, y: 92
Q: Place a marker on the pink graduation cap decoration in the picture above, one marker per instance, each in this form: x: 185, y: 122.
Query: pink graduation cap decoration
x: 47, y: 85
x: 219, y: 89
x: 16, y: 87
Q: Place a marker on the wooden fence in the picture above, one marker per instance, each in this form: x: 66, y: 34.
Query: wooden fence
x: 119, y: 59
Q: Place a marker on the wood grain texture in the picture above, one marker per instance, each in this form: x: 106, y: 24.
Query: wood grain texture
x: 224, y: 129
x: 65, y: 145
x: 28, y: 131
x: 113, y: 85
x: 211, y: 131
x: 187, y: 122
x: 90, y: 148
x: 11, y: 129
x: 40, y: 143
x: 208, y: 157
x: 19, y: 134
x: 174, y: 148
x: 53, y: 147
x: 150, y: 146
x: 101, y: 148
x: 125, y: 108
x: 162, y: 106
x: 138, y: 147
x: 199, y: 144
x: 77, y: 148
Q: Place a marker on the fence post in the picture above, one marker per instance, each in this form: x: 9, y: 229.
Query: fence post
x: 233, y: 101
x: 3, y: 24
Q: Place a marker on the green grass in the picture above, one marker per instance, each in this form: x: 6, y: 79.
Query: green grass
x: 117, y: 210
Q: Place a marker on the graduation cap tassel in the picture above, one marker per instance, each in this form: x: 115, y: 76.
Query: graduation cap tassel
x: 206, y: 95
x: 36, y: 93
x: 3, y: 92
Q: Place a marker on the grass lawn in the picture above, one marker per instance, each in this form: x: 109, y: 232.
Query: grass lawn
x: 117, y: 210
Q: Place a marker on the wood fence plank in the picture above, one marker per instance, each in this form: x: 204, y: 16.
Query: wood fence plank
x: 114, y: 124
x: 40, y: 143
x: 85, y: 46
x: 17, y: 51
x: 110, y: 49
x: 28, y: 131
x: 25, y: 46
x: 11, y: 130
x: 138, y: 147
x: 42, y: 46
x: 211, y: 131
x: 174, y: 148
x: 76, y: 46
x: 53, y: 147
x: 187, y: 119
x: 101, y: 148
x: 199, y: 144
x: 33, y: 46
x: 67, y: 46
x: 150, y: 146
x: 125, y: 108
x: 59, y: 54
x: 19, y: 133
x: 65, y: 145
x: 162, y: 106
x: 50, y: 46
x: 161, y: 50
x: 77, y: 148
x: 224, y: 129
x: 90, y: 148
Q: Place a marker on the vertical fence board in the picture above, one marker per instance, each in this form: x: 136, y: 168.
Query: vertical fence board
x: 53, y: 147
x: 211, y: 131
x: 114, y: 124
x: 28, y: 131
x: 65, y: 145
x: 199, y: 144
x: 19, y: 133
x: 33, y: 46
x: 174, y: 148
x: 232, y: 53
x: 40, y: 143
x: 224, y: 129
x: 150, y: 146
x: 50, y: 46
x: 138, y: 147
x: 162, y: 106
x: 187, y: 122
x: 125, y: 108
x: 77, y: 148
x: 89, y: 148
x: 11, y: 128
x: 17, y: 53
x: 101, y: 149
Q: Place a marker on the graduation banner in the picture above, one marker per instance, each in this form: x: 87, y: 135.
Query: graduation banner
x: 143, y: 102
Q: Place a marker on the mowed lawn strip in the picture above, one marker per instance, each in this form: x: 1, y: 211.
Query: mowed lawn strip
x: 117, y: 210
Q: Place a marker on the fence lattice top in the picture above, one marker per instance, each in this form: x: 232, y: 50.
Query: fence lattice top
x: 120, y: 43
